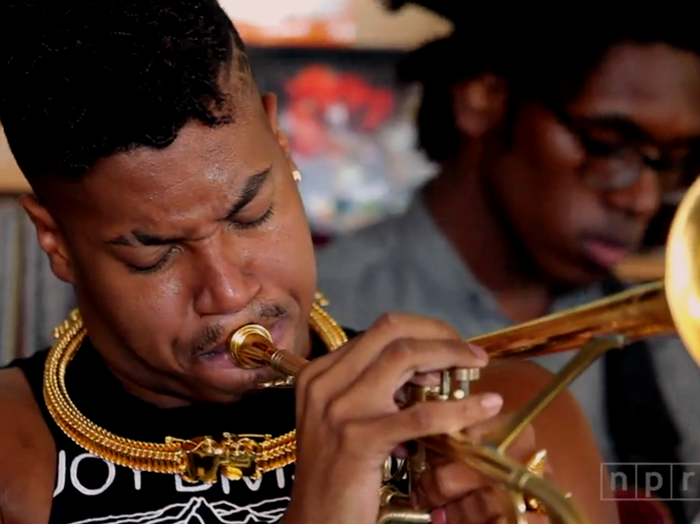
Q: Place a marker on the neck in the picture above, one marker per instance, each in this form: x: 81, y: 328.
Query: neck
x: 461, y: 207
x: 165, y: 399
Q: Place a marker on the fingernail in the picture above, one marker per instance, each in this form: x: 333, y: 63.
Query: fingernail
x: 479, y: 352
x: 492, y: 401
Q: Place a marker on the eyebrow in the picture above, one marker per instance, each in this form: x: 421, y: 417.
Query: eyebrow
x: 633, y: 132
x: 619, y: 124
x: 252, y: 188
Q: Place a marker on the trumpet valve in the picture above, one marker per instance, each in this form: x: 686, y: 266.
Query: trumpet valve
x: 455, y: 382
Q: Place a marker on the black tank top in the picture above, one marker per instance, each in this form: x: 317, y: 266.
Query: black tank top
x: 90, y: 490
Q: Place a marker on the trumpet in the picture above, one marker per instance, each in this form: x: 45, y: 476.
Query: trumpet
x: 668, y: 306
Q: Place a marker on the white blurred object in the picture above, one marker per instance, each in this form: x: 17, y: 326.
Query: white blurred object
x: 272, y: 13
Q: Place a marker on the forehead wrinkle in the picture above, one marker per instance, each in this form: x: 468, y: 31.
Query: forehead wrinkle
x: 200, y: 155
x: 180, y: 209
x: 194, y: 223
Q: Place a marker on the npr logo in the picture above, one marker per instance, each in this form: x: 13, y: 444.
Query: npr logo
x: 659, y: 481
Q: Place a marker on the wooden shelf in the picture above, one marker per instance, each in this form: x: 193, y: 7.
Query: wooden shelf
x: 11, y: 178
x: 406, y: 29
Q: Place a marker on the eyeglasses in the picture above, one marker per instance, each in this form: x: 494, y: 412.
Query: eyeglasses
x: 616, y: 167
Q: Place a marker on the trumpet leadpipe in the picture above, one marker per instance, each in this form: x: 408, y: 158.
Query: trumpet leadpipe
x: 252, y: 347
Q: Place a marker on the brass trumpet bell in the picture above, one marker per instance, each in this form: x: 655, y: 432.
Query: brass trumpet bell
x: 682, y: 277
x: 668, y: 306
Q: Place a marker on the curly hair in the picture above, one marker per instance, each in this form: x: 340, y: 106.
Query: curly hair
x: 80, y: 81
x: 543, y: 54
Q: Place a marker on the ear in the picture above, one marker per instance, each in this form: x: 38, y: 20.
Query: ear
x: 269, y: 102
x: 50, y: 239
x: 480, y: 104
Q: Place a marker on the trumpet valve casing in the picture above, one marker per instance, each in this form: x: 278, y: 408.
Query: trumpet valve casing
x: 455, y: 382
x: 454, y: 385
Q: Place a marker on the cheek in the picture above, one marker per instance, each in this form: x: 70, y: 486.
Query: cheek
x: 546, y: 145
x: 538, y: 184
x: 290, y: 251
x: 122, y: 299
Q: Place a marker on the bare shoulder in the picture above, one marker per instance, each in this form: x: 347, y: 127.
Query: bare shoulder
x: 562, y: 429
x: 27, y: 453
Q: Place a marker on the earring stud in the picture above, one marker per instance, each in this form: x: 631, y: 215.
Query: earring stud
x: 296, y: 175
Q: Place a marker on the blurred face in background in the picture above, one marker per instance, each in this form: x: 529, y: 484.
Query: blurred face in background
x: 578, y: 182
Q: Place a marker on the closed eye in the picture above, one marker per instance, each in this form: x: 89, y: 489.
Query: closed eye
x: 602, y: 149
x: 238, y: 224
x: 250, y: 224
x: 154, y: 267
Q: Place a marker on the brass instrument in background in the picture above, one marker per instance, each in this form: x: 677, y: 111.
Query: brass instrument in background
x: 668, y: 306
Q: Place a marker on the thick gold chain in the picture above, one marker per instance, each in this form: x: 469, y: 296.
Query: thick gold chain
x: 197, y: 460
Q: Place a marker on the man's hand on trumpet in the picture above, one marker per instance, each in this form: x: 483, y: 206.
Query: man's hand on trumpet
x: 457, y: 494
x: 348, y: 420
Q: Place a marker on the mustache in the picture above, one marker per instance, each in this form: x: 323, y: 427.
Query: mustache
x: 211, y: 334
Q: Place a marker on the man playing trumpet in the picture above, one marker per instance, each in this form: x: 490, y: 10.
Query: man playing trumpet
x: 164, y: 193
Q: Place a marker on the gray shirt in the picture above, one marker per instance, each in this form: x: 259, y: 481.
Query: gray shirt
x: 406, y: 264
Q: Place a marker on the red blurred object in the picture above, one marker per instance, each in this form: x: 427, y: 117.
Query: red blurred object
x: 318, y: 88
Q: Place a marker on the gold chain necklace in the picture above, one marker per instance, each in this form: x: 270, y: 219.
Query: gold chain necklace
x: 201, y: 459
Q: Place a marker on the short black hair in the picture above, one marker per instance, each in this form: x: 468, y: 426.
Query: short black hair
x: 82, y: 80
x: 542, y: 55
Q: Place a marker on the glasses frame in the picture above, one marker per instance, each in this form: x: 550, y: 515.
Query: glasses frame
x: 618, y: 167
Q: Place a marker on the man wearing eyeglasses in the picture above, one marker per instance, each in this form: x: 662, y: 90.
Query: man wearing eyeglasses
x: 554, y: 145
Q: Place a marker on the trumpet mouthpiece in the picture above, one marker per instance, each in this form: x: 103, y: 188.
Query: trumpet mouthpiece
x: 251, y: 346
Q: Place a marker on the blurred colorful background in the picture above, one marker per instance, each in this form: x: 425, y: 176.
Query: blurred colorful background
x: 351, y: 132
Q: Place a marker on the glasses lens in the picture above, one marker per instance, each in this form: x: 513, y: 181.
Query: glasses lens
x: 610, y: 173
x: 617, y: 174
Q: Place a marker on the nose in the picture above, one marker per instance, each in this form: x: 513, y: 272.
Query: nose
x: 224, y: 286
x: 642, y: 199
